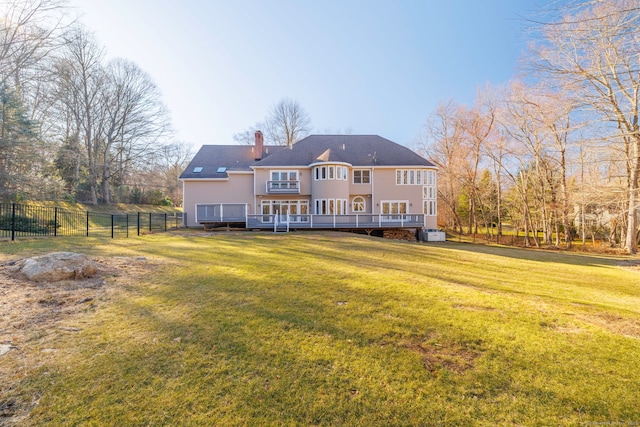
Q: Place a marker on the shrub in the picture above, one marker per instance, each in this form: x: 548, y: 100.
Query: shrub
x: 22, y: 223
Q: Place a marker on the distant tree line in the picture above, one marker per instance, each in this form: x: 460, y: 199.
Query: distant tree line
x: 556, y: 154
x: 74, y: 125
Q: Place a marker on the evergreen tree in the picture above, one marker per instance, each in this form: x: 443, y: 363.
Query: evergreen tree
x: 19, y: 160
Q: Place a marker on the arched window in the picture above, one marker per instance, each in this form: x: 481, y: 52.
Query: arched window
x: 358, y: 204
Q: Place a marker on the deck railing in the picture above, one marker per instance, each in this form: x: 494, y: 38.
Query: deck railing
x: 220, y: 212
x: 340, y: 221
x: 283, y: 187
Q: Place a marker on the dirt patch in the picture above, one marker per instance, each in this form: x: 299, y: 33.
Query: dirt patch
x: 453, y: 357
x: 33, y: 317
x: 614, y: 324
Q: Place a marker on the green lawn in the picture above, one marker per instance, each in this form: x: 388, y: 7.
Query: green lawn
x: 339, y: 329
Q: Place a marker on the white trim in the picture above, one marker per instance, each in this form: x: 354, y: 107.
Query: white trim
x: 203, y: 179
x: 240, y: 172
x: 279, y: 167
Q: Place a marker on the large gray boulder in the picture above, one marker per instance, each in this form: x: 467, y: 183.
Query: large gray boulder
x: 57, y: 266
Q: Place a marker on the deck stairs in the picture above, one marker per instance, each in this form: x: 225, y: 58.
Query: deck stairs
x: 281, y: 223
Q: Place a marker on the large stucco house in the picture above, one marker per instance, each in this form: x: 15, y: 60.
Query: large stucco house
x: 321, y: 182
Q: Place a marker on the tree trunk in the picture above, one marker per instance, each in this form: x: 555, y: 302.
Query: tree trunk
x: 631, y: 243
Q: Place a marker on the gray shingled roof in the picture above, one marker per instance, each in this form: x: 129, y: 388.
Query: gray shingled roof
x: 232, y: 157
x: 357, y: 150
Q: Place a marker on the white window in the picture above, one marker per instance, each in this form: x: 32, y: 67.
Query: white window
x: 284, y: 175
x: 429, y: 193
x: 321, y: 173
x: 430, y: 177
x: 361, y: 176
x: 393, y: 207
x: 331, y: 206
x: 297, y: 209
x: 430, y: 207
x: 283, y: 180
x: 414, y: 177
x: 358, y: 204
x: 330, y: 172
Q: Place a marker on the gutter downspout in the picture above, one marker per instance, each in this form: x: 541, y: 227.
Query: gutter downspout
x: 373, y: 193
x: 255, y: 198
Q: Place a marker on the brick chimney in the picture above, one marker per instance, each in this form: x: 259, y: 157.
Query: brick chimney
x: 259, y: 145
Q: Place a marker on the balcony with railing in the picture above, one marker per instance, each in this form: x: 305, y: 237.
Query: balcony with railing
x: 283, y: 187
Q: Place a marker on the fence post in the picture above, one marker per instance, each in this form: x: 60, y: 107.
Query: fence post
x: 138, y: 223
x: 55, y: 221
x: 13, y: 221
x: 112, y: 226
x: 149, y: 222
x: 127, y: 225
x: 165, y: 221
x: 87, y: 223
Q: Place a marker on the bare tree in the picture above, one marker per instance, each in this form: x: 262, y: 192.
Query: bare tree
x: 81, y: 80
x: 594, y: 50
x: 247, y: 136
x: 136, y: 121
x: 444, y: 145
x: 29, y: 31
x: 286, y: 123
x: 114, y: 109
x: 478, y: 126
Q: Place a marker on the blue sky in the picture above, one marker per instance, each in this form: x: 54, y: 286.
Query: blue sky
x: 367, y: 66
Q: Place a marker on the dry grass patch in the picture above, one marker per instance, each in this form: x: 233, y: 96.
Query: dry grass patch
x: 34, y: 316
x: 614, y: 323
x: 438, y: 356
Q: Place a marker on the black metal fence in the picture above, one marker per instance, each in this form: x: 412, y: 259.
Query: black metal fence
x: 17, y: 220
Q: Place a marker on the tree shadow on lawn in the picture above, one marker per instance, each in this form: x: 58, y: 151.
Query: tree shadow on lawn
x: 541, y: 255
x: 268, y: 340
